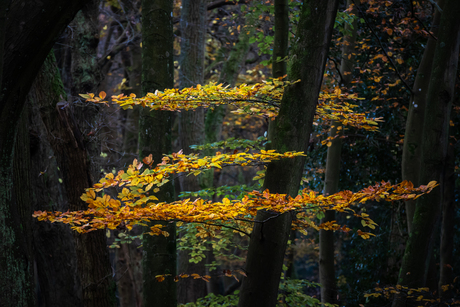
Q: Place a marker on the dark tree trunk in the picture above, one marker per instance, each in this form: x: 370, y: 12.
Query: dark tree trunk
x: 28, y: 35
x: 21, y: 200
x: 71, y: 155
x: 412, y: 150
x: 159, y: 253
x: 332, y: 179
x: 290, y: 131
x: 434, y: 148
x: 448, y: 226
x: 54, y: 246
x: 191, y: 125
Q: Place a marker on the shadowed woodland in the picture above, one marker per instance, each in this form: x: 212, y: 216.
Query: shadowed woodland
x: 229, y: 153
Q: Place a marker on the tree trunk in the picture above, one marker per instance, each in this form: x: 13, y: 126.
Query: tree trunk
x: 159, y: 253
x: 332, y: 179
x: 434, y: 147
x: 71, y: 155
x: 86, y: 76
x: 21, y: 199
x: 54, y: 246
x: 412, y: 150
x: 448, y: 226
x: 290, y: 131
x: 191, y: 124
x: 22, y: 30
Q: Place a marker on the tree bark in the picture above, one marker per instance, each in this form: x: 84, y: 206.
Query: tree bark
x: 21, y: 198
x: 191, y: 124
x: 23, y: 30
x: 71, y: 155
x: 159, y: 253
x: 331, y: 183
x: 434, y: 147
x: 54, y: 246
x: 412, y: 150
x: 290, y: 131
x: 86, y: 77
x: 448, y: 226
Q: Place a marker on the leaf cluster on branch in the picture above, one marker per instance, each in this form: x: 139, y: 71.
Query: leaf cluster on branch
x: 260, y: 99
x: 136, y: 204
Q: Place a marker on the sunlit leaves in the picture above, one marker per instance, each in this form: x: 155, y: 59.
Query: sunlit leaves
x: 261, y: 99
x: 105, y: 212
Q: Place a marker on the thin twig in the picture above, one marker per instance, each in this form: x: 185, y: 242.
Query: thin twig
x: 418, y: 19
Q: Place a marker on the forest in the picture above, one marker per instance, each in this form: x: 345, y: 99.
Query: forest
x: 229, y: 153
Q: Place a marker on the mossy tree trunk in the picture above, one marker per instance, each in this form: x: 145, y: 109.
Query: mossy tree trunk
x: 332, y: 179
x: 86, y: 77
x: 434, y: 148
x: 54, y: 246
x: 159, y: 253
x: 22, y: 31
x: 68, y: 145
x: 289, y: 131
x: 412, y: 150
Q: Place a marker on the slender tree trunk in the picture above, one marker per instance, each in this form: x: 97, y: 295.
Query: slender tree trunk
x: 279, y: 69
x: 159, y: 252
x: 191, y: 124
x: 22, y: 31
x: 434, y: 147
x: 412, y: 150
x: 290, y: 131
x: 331, y: 182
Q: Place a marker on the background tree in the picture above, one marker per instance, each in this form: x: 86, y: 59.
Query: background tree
x: 327, y: 276
x: 290, y: 131
x: 159, y: 253
x: 191, y: 123
x: 434, y: 147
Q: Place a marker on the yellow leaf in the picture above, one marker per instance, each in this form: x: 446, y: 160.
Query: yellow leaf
x: 329, y: 144
x: 149, y: 187
x: 102, y: 95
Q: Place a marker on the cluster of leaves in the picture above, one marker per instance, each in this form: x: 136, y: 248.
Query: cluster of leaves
x: 222, y: 191
x: 291, y: 293
x: 136, y: 206
x: 424, y: 296
x: 261, y: 99
x: 234, y: 143
x: 206, y: 278
x: 197, y: 239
